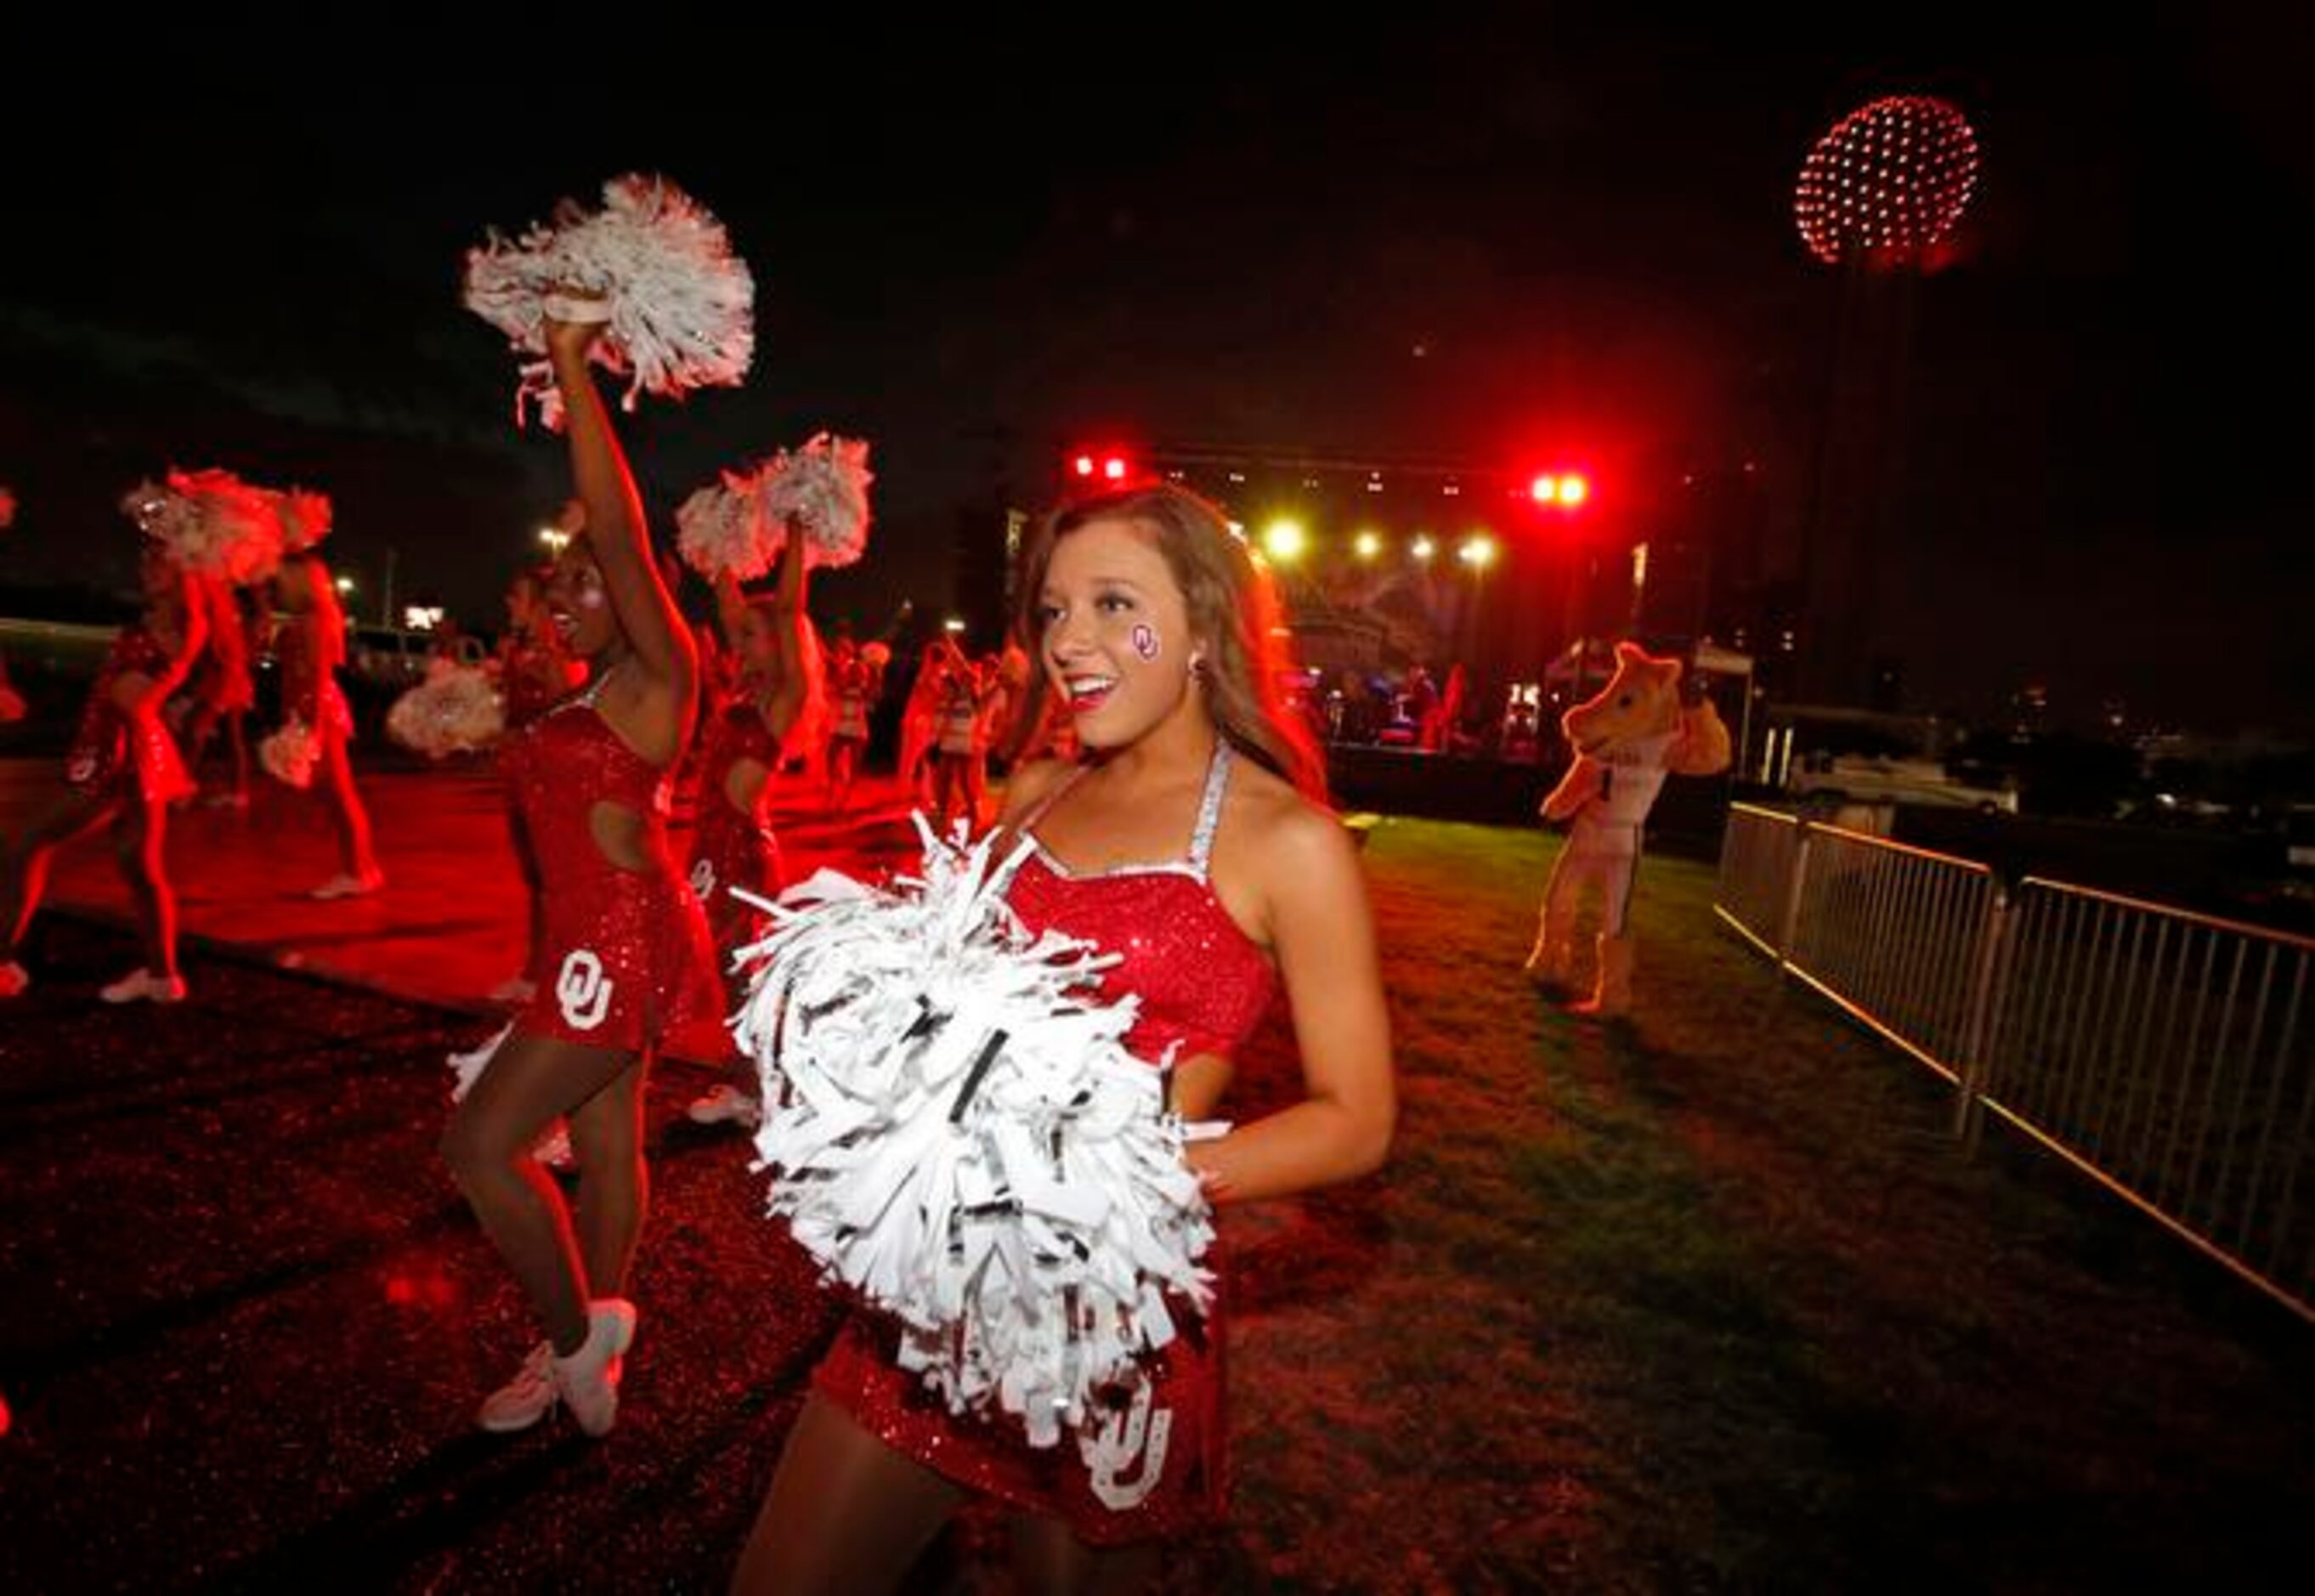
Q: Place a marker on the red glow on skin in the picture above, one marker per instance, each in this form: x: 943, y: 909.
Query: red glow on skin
x: 433, y: 1289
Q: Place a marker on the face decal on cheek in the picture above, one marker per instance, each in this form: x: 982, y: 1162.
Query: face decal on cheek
x: 1145, y: 642
x: 588, y: 598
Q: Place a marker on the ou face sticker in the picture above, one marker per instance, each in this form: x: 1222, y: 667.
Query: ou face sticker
x: 702, y: 880
x: 1145, y: 641
x: 582, y: 989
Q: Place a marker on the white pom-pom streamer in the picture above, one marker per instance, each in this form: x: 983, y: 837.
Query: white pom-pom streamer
x: 823, y: 488
x: 211, y: 522
x: 306, y: 518
x: 955, y: 1130
x: 679, y: 303
x: 720, y: 530
x: 456, y: 710
x: 290, y: 753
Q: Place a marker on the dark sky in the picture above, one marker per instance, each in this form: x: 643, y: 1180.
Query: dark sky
x: 975, y: 249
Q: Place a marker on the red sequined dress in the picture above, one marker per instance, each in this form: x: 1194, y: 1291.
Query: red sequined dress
x: 309, y: 692
x: 730, y: 847
x: 1204, y: 987
x: 113, y: 745
x: 626, y: 952
x: 851, y: 685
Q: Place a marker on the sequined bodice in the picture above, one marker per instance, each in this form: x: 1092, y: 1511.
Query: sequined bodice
x: 567, y: 761
x: 1203, y: 985
x: 134, y: 651
x: 738, y: 733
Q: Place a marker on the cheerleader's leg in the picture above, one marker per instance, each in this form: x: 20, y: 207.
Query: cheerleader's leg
x: 531, y: 1080
x: 139, y: 829
x: 1050, y: 1560
x: 845, y: 1513
x: 70, y: 815
x: 607, y: 1136
x: 354, y: 850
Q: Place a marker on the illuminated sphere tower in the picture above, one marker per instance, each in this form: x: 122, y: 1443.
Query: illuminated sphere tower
x: 1879, y: 199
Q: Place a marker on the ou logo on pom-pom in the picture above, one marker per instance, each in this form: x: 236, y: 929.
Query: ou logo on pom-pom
x: 702, y: 879
x: 582, y: 991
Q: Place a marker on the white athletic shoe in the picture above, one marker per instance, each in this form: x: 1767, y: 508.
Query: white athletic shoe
x: 588, y: 1380
x: 142, y: 985
x: 724, y: 1104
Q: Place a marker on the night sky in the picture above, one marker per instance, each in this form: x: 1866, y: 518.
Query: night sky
x: 977, y: 250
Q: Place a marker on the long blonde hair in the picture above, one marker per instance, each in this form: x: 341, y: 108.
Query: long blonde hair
x: 1232, y: 608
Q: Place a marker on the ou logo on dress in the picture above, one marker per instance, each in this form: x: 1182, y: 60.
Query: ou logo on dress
x: 702, y: 879
x: 1137, y: 1435
x: 582, y: 989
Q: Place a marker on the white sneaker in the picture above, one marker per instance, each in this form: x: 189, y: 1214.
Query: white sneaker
x: 724, y: 1104
x: 535, y: 1389
x: 342, y: 885
x: 527, y: 1398
x: 142, y: 985
x: 14, y: 979
x: 588, y: 1380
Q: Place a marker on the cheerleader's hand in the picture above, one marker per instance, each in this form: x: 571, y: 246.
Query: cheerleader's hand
x: 570, y: 340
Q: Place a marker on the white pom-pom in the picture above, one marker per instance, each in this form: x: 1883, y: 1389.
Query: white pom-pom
x: 290, y: 754
x: 823, y: 488
x: 721, y: 528
x: 306, y: 518
x: 955, y: 1130
x: 211, y: 522
x: 679, y: 303
x: 456, y: 710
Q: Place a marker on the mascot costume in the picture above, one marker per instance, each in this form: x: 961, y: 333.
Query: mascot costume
x: 1625, y: 740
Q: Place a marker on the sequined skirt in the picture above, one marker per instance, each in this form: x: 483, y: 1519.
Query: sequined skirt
x: 1161, y: 1471
x: 625, y: 958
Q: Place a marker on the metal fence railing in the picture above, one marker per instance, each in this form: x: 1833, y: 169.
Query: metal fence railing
x: 2165, y: 1053
x: 1756, y: 872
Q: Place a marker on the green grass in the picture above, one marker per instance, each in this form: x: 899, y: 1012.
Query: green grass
x: 1709, y: 1302
x: 1706, y: 1302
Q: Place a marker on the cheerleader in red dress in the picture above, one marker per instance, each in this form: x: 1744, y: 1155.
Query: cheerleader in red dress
x: 535, y: 672
x: 856, y: 678
x: 310, y: 647
x: 627, y: 958
x: 1191, y: 842
x: 733, y: 848
x: 123, y: 768
x: 968, y: 690
x: 223, y: 689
